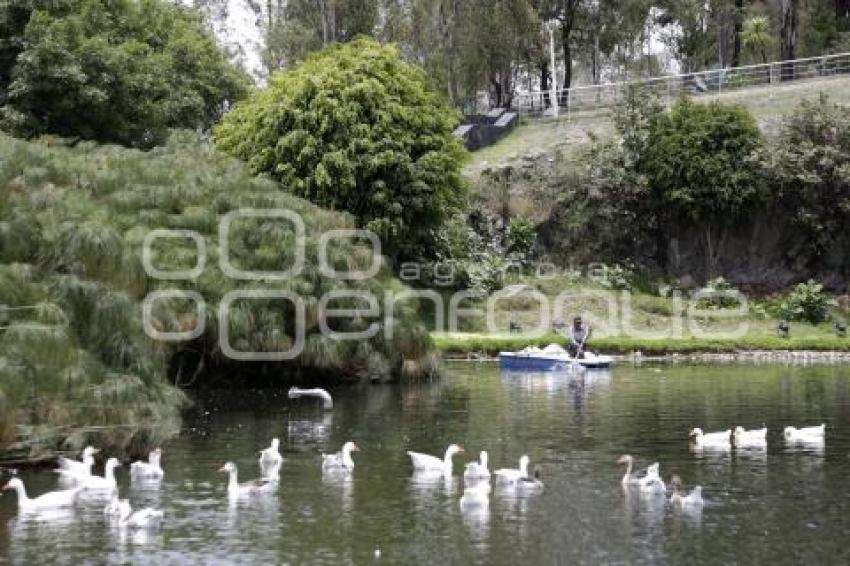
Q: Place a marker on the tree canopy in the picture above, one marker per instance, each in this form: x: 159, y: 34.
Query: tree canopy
x: 355, y: 128
x: 696, y: 160
x: 810, y: 167
x: 122, y: 72
x: 502, y: 46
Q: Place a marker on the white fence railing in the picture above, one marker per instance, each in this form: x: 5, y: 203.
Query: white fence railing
x: 715, y: 82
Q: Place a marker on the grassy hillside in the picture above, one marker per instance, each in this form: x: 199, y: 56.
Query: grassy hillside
x: 566, y: 136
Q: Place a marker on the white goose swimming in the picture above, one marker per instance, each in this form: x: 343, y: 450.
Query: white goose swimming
x: 629, y: 479
x: 756, y: 438
x: 49, y: 500
x: 812, y: 434
x: 107, y: 481
x: 477, y: 471
x: 270, y: 457
x: 427, y: 463
x: 327, y: 400
x: 73, y: 470
x: 254, y: 487
x: 147, y: 518
x: 531, y: 484
x: 512, y: 475
x: 114, y: 508
x: 722, y: 439
x: 651, y: 483
x: 341, y: 461
x: 692, y: 501
x: 150, y: 470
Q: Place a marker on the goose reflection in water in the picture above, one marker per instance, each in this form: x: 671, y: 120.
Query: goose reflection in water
x: 340, y: 485
x: 138, y: 537
x: 648, y: 511
x: 427, y: 482
x: 475, y: 510
x: 248, y: 512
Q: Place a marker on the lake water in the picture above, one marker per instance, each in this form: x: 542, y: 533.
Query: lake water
x: 786, y: 504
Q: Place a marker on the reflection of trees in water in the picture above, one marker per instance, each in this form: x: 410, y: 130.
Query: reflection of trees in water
x: 312, y: 431
x: 251, y: 512
x: 432, y: 416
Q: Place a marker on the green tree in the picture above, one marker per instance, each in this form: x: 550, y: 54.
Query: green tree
x: 121, y: 72
x: 699, y: 161
x: 810, y: 166
x: 757, y: 36
x: 305, y: 26
x: 355, y: 128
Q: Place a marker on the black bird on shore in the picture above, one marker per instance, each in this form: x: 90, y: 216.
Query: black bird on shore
x: 783, y: 328
x: 840, y: 328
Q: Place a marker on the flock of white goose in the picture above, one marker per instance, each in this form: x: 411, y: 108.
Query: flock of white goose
x: 649, y: 482
x: 476, y: 477
x: 85, y: 484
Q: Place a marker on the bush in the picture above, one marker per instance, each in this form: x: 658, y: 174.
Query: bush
x: 521, y: 236
x: 810, y: 166
x: 355, y: 128
x: 619, y: 277
x: 720, y: 295
x: 119, y: 72
x: 696, y: 161
x: 807, y: 302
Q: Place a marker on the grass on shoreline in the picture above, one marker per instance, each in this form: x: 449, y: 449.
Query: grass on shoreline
x: 463, y: 343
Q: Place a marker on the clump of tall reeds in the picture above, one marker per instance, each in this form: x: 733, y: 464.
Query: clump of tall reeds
x: 75, y: 361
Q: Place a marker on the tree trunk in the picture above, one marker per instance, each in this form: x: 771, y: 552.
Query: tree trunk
x: 567, y: 19
x: 497, y: 91
x: 448, y: 17
x: 842, y: 15
x: 566, y: 84
x: 594, y: 59
x: 739, y: 27
x: 544, y: 82
x: 789, y: 33
x: 568, y: 67
x: 323, y: 12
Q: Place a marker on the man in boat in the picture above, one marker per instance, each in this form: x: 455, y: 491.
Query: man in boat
x: 579, y: 335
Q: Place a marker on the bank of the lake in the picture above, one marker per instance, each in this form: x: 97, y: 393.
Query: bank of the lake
x: 454, y: 344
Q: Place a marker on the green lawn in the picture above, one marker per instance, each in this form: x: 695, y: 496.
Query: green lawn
x: 626, y: 322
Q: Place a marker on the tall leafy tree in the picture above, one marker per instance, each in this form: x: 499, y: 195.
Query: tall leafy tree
x: 497, y: 41
x: 810, y: 167
x: 123, y: 71
x: 698, y: 161
x: 303, y: 26
x: 355, y: 128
